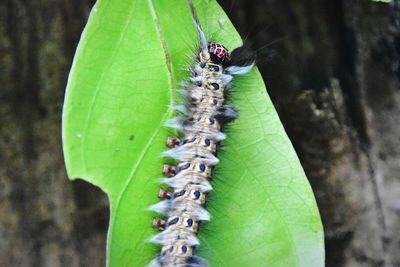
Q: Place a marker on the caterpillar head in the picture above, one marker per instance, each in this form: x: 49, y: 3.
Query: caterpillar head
x: 218, y: 52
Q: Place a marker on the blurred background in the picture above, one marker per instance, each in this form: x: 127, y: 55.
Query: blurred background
x: 332, y: 69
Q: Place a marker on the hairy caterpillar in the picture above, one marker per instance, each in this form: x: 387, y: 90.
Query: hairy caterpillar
x: 204, y: 114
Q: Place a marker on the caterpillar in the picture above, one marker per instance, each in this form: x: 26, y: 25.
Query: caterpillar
x: 204, y: 115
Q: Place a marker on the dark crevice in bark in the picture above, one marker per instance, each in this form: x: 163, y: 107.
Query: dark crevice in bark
x: 347, y: 77
x: 348, y: 52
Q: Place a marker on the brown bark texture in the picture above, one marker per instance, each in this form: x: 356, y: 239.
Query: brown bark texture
x: 332, y: 69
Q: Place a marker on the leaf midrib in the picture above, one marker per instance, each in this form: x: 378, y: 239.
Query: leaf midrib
x: 163, y: 119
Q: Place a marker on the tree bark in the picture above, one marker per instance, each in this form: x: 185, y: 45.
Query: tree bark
x: 331, y: 67
x: 46, y: 220
x: 332, y: 70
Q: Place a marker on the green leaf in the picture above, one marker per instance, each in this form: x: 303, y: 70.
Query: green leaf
x: 127, y: 68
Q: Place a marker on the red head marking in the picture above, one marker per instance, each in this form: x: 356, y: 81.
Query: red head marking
x: 219, y: 50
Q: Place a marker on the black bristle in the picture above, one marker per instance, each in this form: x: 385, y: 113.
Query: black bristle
x: 226, y: 114
x: 240, y: 56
